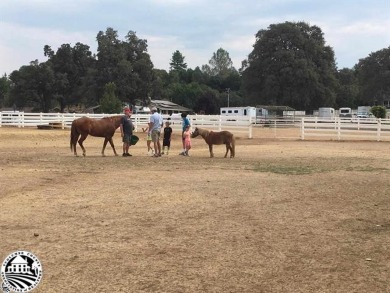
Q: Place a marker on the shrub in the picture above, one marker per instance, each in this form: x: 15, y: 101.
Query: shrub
x: 379, y: 111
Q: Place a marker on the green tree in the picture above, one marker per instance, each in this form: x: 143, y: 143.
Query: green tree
x: 348, y: 89
x: 373, y: 73
x: 71, y: 66
x: 290, y: 65
x: 220, y: 64
x: 379, y: 111
x: 126, y: 63
x: 5, y: 85
x: 109, y: 103
x: 177, y: 62
x: 33, y: 85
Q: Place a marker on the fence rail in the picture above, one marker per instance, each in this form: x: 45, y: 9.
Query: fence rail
x: 240, y: 124
x: 346, y: 128
x: 306, y: 127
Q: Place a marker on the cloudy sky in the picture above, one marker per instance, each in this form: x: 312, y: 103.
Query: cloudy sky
x: 197, y: 28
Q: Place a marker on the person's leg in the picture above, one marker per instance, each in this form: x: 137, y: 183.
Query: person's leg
x: 127, y: 149
x: 155, y: 139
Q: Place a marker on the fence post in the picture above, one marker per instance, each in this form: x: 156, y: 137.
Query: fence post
x: 63, y: 120
x: 250, y: 127
x: 339, y: 129
x: 220, y: 123
x: 1, y: 118
x: 302, y: 128
x: 19, y: 118
x: 379, y: 129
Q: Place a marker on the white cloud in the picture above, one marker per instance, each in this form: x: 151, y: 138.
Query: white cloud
x: 25, y: 44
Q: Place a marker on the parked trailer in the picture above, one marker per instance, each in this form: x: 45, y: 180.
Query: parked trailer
x: 326, y: 113
x: 239, y: 111
x: 363, y: 112
x: 345, y: 112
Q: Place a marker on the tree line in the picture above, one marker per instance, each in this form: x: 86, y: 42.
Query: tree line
x: 290, y: 65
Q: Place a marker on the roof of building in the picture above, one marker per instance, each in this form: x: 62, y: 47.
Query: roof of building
x: 169, y: 106
x: 275, y: 108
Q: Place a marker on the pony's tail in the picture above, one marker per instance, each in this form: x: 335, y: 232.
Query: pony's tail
x: 73, y: 137
x: 233, y: 146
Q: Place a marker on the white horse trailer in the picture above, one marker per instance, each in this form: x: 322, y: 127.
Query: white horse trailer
x: 345, y: 112
x: 239, y: 111
x: 326, y: 113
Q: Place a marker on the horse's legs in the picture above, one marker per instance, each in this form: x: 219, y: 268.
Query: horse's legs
x: 227, y: 149
x: 82, y: 138
x: 112, y: 145
x: 104, y: 146
x: 211, y: 150
x: 74, y: 145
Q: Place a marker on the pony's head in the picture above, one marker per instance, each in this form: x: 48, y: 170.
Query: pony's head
x: 195, y: 133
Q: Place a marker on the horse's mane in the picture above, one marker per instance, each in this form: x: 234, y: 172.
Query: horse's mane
x: 203, y: 132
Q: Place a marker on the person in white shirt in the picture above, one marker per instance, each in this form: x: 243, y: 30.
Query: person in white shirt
x: 156, y: 122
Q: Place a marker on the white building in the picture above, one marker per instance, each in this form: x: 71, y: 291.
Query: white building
x: 238, y: 111
x: 19, y: 265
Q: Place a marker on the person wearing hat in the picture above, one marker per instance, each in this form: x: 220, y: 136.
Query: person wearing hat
x: 127, y: 128
x: 156, y: 122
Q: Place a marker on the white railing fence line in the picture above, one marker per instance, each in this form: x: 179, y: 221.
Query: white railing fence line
x: 310, y: 127
x: 240, y: 124
x: 346, y: 128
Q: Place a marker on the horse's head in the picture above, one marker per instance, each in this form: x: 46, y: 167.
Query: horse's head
x: 195, y: 133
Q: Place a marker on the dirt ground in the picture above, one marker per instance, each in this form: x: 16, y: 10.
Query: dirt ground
x: 284, y: 216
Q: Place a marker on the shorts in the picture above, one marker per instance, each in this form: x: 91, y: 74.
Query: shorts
x: 167, y: 142
x: 149, y: 137
x: 155, y: 135
x: 127, y: 138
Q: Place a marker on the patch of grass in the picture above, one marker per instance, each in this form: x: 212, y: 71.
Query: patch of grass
x: 286, y: 170
x: 366, y: 169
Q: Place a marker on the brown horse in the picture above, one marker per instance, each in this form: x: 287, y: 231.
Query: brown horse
x: 213, y: 137
x: 84, y: 126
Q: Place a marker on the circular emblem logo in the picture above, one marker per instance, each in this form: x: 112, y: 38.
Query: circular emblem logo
x: 21, y: 272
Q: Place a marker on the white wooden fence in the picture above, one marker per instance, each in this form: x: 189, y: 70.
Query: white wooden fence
x: 238, y: 124
x: 310, y: 127
x: 346, y: 128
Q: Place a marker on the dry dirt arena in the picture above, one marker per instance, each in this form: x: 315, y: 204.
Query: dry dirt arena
x: 283, y: 216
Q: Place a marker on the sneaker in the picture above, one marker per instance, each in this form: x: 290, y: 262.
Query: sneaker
x: 129, y: 155
x: 162, y: 153
x: 182, y: 154
x: 124, y: 155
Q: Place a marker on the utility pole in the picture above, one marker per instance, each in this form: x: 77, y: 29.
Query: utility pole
x: 228, y: 92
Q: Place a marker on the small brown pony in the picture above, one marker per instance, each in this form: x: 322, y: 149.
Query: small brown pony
x: 84, y: 126
x: 213, y: 137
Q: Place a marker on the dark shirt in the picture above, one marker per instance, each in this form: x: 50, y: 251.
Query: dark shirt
x: 167, y: 133
x: 127, y: 125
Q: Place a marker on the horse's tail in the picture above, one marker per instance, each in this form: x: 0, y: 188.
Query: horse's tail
x: 233, y: 151
x: 73, y: 137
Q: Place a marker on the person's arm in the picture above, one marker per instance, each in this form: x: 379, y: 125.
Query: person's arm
x: 121, y: 127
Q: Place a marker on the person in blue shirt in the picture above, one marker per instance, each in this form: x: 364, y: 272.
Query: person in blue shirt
x: 185, y: 123
x: 156, y: 122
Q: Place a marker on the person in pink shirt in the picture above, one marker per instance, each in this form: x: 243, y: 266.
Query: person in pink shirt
x: 187, y: 140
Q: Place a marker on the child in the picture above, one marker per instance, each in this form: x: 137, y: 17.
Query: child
x: 167, y: 137
x: 148, y: 138
x: 187, y: 140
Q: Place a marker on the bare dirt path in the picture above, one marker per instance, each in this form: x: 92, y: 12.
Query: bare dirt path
x: 283, y: 216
